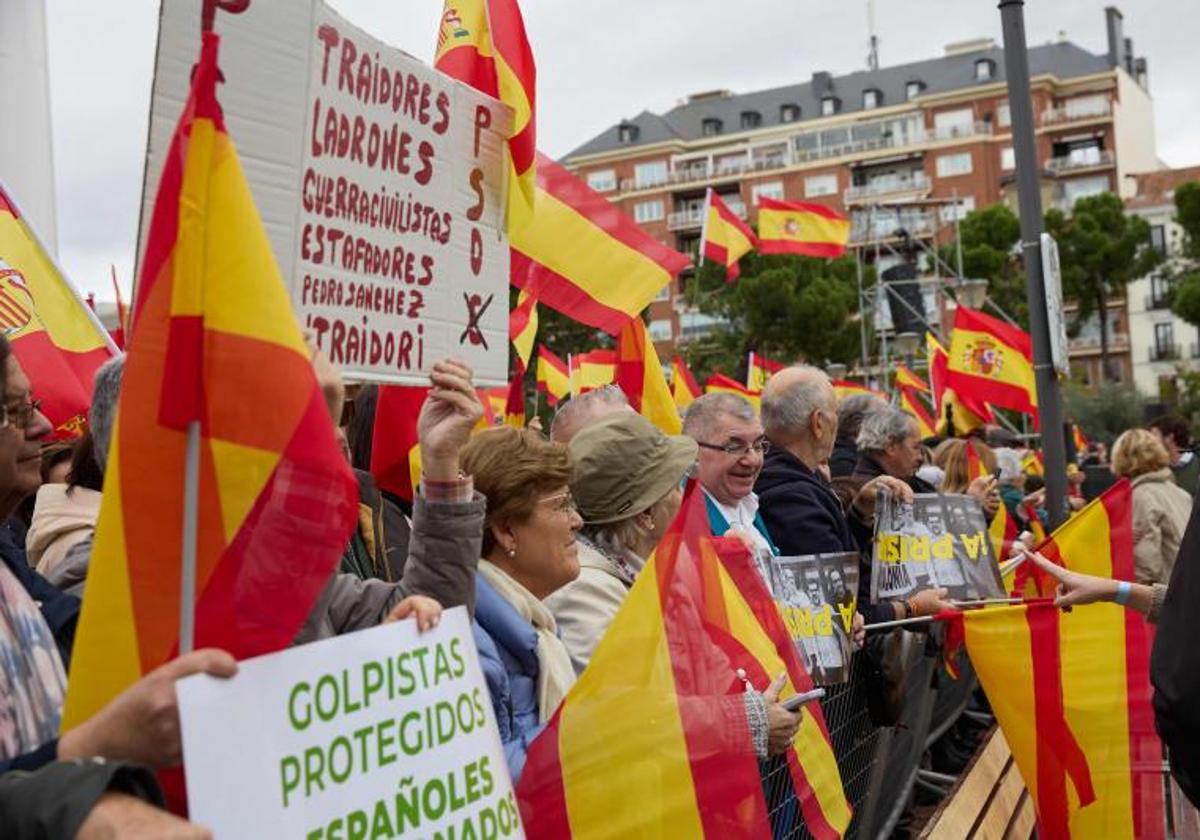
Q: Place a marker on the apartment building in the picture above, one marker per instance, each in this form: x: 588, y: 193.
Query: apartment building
x: 906, y: 148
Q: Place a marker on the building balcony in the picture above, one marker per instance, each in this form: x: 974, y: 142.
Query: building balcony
x: 693, y: 217
x: 887, y: 228
x: 1158, y: 301
x: 1058, y: 116
x: 1074, y: 163
x: 889, y: 189
x: 1086, y: 345
x: 1164, y: 352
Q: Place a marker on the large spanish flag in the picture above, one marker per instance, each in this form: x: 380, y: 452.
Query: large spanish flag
x: 553, y: 379
x: 1106, y: 674
x: 684, y: 388
x: 592, y: 370
x: 483, y: 43
x: 991, y: 361
x: 719, y: 383
x: 801, y: 227
x: 53, y: 333
x: 214, y: 343
x: 724, y: 238
x: 580, y: 255
x: 759, y: 369
x: 653, y: 739
x: 640, y: 375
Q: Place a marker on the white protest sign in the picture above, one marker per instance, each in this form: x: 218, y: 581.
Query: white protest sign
x: 380, y: 733
x: 380, y: 182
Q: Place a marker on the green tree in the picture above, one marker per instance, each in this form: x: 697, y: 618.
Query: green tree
x: 1100, y: 250
x: 1186, y: 275
x: 989, y: 250
x: 1104, y: 412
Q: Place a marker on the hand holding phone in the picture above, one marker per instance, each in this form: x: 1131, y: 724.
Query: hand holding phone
x: 796, y: 701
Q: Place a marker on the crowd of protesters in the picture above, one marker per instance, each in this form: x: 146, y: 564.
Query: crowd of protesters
x: 541, y: 537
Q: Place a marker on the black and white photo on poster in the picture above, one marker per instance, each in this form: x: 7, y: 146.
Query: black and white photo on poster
x: 817, y: 595
x: 937, y: 541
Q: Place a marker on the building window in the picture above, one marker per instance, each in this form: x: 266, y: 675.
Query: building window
x: 1160, y: 292
x: 952, y: 123
x: 767, y: 189
x: 789, y: 113
x: 829, y: 106
x: 659, y: 330
x: 1008, y: 160
x: 965, y: 205
x: 1077, y: 188
x: 984, y: 69
x: 648, y: 211
x: 602, y: 180
x: 871, y: 99
x: 816, y: 185
x: 710, y: 126
x: 627, y: 133
x: 751, y: 119
x: 1079, y: 107
x: 1158, y: 239
x: 949, y: 166
x: 913, y: 89
x: 1003, y: 115
x: 650, y: 174
x: 1164, y: 342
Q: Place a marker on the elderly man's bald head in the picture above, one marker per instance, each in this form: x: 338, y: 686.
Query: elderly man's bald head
x: 585, y: 409
x: 791, y: 397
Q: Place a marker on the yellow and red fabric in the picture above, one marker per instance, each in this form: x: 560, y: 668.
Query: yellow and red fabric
x: 685, y: 390
x: 905, y: 378
x: 591, y: 370
x: 522, y: 328
x: 514, y: 401
x: 640, y: 375
x: 1033, y: 463
x: 910, y: 401
x: 720, y: 383
x: 483, y: 43
x: 553, y: 378
x: 1002, y: 530
x: 966, y: 413
x: 118, y: 333
x: 395, y: 456
x: 53, y: 334
x: 843, y: 388
x: 759, y: 369
x: 725, y: 238
x: 214, y: 342
x: 697, y: 614
x: 580, y: 255
x: 801, y: 227
x: 1079, y: 439
x: 991, y: 361
x: 1106, y: 673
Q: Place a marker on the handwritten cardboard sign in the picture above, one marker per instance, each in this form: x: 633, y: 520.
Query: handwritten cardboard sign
x: 379, y: 180
x: 380, y: 733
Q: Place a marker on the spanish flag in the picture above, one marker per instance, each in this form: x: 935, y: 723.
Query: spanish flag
x: 910, y: 401
x: 724, y: 238
x: 395, y: 455
x: 1002, y: 530
x: 592, y: 370
x: 1106, y: 674
x: 214, y: 343
x: 720, y: 383
x: 965, y: 413
x: 553, y: 379
x: 580, y: 255
x: 843, y: 388
x: 991, y: 361
x: 53, y: 333
x: 522, y: 328
x: 801, y: 227
x: 653, y: 739
x: 1079, y: 439
x: 759, y: 369
x: 483, y: 43
x: 684, y: 388
x: 640, y: 375
x: 905, y: 378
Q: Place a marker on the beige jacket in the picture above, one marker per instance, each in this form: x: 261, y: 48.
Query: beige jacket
x: 1160, y: 514
x: 586, y: 606
x: 60, y: 521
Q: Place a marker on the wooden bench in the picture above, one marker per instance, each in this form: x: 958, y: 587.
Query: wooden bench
x: 989, y: 800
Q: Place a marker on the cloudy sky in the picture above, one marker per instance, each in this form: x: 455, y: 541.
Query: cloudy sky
x: 598, y: 61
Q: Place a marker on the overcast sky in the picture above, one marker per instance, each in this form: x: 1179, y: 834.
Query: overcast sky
x: 598, y: 61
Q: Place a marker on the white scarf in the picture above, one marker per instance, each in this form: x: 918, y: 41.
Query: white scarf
x: 555, y: 672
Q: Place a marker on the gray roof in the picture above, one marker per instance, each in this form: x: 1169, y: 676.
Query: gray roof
x: 939, y: 75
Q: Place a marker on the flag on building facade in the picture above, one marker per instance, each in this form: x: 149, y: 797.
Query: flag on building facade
x: 640, y: 375
x: 522, y: 328
x: 569, y: 249
x: 720, y: 383
x: 698, y: 613
x: 801, y: 227
x: 991, y: 361
x: 483, y: 43
x: 591, y: 370
x: 724, y: 238
x: 214, y: 342
x: 759, y: 369
x: 553, y: 378
x: 1106, y: 673
x: 53, y: 334
x: 685, y: 390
